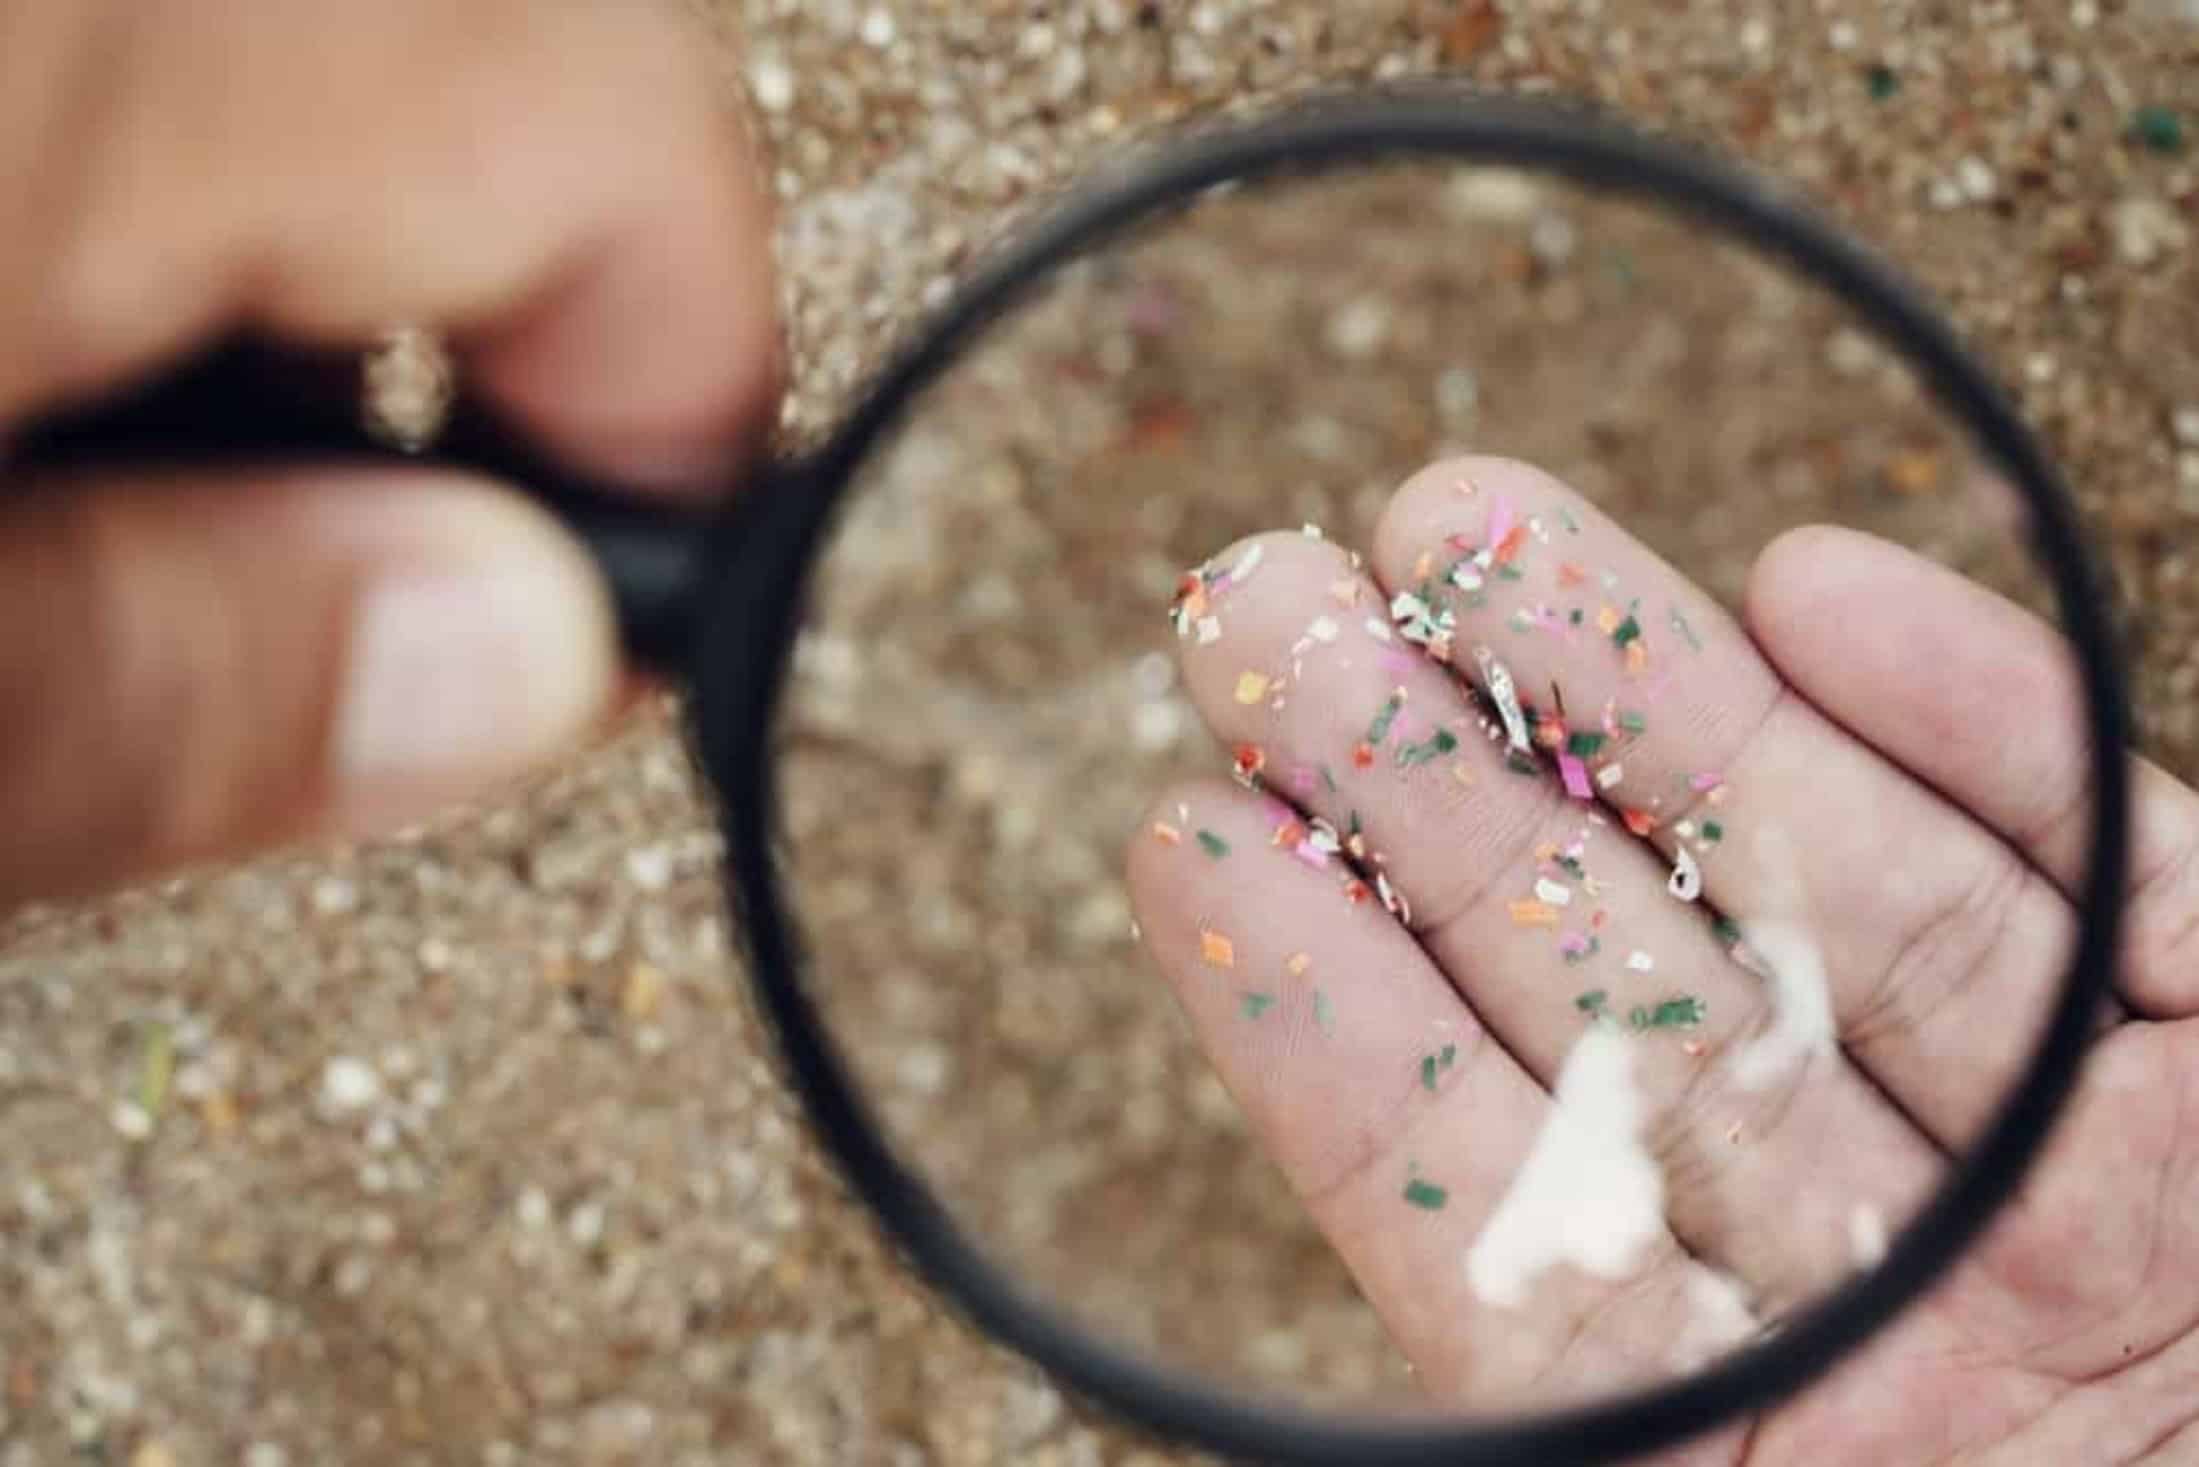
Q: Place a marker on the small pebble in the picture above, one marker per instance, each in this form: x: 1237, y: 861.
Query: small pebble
x: 349, y: 1085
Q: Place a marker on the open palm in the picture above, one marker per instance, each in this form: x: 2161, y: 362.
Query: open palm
x: 1882, y: 760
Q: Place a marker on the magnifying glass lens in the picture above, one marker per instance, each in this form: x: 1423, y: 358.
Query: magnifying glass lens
x: 1399, y: 791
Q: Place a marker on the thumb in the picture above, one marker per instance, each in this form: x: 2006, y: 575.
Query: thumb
x: 192, y: 668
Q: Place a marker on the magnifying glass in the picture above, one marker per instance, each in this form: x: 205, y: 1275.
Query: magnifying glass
x: 1286, y: 864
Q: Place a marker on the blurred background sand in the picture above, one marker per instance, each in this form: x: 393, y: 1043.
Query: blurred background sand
x: 466, y: 1149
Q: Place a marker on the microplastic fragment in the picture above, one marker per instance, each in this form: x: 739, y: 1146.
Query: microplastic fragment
x: 1687, y: 632
x: 1639, y: 822
x: 1592, y: 1002
x: 1532, y: 914
x: 1213, y: 844
x: 1637, y: 657
x: 1210, y: 630
x: 1585, y: 743
x: 1575, y: 775
x: 1166, y: 834
x: 1713, y: 832
x: 1673, y: 1013
x: 1218, y: 950
x: 1310, y: 530
x: 1565, y: 518
x: 1362, y: 755
x: 1500, y: 518
x: 1633, y: 722
x: 1251, y: 687
x: 1246, y: 564
x: 1570, y: 575
x: 1607, y: 620
x: 1579, y: 947
x: 1426, y: 1196
x: 1466, y: 575
x: 1686, y: 881
x: 1556, y: 893
x: 1442, y: 741
x: 1505, y: 695
x: 1256, y: 1004
x: 1703, y: 783
x: 1393, y: 900
x: 1324, y: 1014
x: 1379, y: 629
x: 1427, y: 1072
x: 1246, y: 763
x: 1641, y: 962
x: 1378, y: 731
x: 1324, y: 629
x: 1296, y: 964
x: 1609, y: 776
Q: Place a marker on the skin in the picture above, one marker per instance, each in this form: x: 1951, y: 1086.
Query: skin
x: 557, y: 187
x: 1851, y: 685
x: 187, y: 678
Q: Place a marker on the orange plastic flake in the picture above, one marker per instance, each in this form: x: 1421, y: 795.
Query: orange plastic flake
x: 1167, y: 834
x: 1607, y: 620
x: 1508, y: 547
x: 1355, y: 891
x: 1217, y: 949
x: 1362, y: 755
x: 1296, y: 964
x: 1550, y: 733
x: 1462, y: 774
x: 1251, y: 687
x: 1640, y: 822
x: 1637, y: 657
x: 1424, y: 567
x: 1532, y: 914
x: 1250, y: 760
x: 1570, y: 574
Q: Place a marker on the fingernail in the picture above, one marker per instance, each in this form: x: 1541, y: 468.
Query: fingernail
x: 460, y: 677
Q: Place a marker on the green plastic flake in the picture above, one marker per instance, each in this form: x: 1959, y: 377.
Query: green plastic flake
x: 1443, y: 741
x: 1426, y: 1196
x: 2159, y: 129
x: 1379, y: 730
x: 1328, y: 779
x: 1593, y: 1002
x: 1427, y: 1072
x: 1673, y: 1013
x: 1256, y: 1004
x: 1565, y: 518
x: 1713, y: 831
x: 1213, y: 844
x: 1629, y: 630
x: 1633, y: 723
x: 1883, y: 82
x: 1521, y: 763
x: 1585, y: 744
x: 1324, y: 1014
x: 1594, y: 947
x: 1510, y: 572
x: 1576, y: 617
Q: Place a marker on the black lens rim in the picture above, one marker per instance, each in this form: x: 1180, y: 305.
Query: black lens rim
x: 752, y: 614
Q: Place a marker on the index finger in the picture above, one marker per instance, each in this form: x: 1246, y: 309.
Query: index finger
x: 559, y: 186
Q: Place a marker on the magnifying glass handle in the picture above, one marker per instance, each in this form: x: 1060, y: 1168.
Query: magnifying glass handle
x: 245, y: 403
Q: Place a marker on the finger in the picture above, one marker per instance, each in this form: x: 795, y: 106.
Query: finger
x: 1533, y: 903
x: 1910, y: 906
x: 555, y: 183
x: 1365, y: 1075
x: 1977, y: 698
x: 208, y: 666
